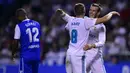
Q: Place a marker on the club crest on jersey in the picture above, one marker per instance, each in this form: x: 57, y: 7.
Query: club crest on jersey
x: 94, y: 27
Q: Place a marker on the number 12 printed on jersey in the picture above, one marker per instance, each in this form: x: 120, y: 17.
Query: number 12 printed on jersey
x: 35, y: 31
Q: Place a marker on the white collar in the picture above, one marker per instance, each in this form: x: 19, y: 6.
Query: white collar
x: 26, y: 19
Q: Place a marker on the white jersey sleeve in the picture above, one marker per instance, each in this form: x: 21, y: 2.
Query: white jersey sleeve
x: 67, y: 17
x: 17, y: 32
x: 90, y: 22
x: 102, y: 36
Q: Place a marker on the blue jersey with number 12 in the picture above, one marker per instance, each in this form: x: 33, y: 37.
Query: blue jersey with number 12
x: 29, y: 40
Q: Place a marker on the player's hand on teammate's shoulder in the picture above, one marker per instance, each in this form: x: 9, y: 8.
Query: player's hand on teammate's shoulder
x: 88, y: 46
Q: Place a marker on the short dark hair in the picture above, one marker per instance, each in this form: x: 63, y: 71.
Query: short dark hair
x: 79, y: 9
x: 97, y: 5
x: 21, y: 12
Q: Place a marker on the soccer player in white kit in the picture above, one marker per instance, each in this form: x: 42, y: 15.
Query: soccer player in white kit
x: 96, y: 40
x: 79, y: 31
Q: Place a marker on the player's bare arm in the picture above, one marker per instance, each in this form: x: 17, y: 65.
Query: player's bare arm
x: 14, y: 48
x: 63, y: 15
x: 59, y: 14
x: 106, y: 17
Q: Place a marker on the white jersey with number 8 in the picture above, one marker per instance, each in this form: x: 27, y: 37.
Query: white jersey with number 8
x: 79, y: 32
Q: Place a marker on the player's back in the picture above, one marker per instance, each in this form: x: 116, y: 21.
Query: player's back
x: 78, y: 35
x: 29, y: 39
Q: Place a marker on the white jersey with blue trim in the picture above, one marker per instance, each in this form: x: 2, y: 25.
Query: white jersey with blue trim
x: 97, y: 36
x: 79, y: 32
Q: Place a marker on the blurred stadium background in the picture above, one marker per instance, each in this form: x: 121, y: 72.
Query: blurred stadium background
x: 116, y: 51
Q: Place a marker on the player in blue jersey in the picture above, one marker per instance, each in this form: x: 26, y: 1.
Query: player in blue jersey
x: 27, y: 33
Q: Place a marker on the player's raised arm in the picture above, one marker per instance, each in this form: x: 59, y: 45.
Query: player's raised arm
x: 106, y: 17
x: 60, y: 12
x: 65, y: 16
